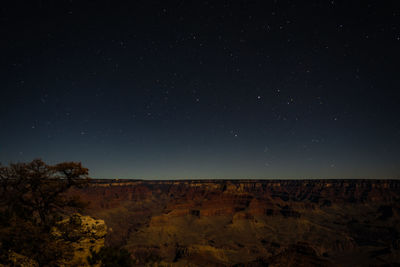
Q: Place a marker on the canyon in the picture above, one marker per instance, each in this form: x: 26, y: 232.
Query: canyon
x: 250, y: 222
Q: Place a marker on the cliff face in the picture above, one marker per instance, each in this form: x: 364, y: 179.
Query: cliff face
x: 251, y: 223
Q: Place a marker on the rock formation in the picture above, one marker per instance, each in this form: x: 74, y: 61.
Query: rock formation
x: 84, y: 233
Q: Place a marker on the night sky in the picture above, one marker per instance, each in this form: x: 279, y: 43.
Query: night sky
x: 214, y: 89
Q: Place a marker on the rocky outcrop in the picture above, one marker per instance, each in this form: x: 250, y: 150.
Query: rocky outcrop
x: 79, y: 234
x: 84, y: 233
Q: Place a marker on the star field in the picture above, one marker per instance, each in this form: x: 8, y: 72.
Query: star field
x: 213, y: 89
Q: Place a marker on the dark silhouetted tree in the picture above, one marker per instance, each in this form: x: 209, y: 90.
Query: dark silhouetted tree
x: 32, y: 200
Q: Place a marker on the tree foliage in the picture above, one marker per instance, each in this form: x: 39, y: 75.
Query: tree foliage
x: 110, y: 257
x: 32, y: 200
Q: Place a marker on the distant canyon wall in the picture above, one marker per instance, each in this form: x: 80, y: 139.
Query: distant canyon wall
x: 250, y: 222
